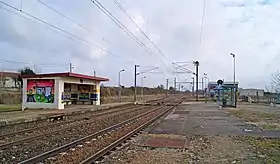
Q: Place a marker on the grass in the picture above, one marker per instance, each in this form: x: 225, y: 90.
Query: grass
x: 267, y: 121
x: 269, y: 148
x: 253, y: 116
x: 8, y: 108
x: 270, y: 126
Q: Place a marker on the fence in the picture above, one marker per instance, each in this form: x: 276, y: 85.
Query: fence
x: 10, y: 96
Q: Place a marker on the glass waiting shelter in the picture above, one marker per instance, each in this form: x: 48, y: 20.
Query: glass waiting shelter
x: 225, y: 94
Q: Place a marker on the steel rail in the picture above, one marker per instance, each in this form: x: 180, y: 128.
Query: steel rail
x: 93, y: 114
x: 27, y: 139
x: 70, y: 145
x: 113, y: 145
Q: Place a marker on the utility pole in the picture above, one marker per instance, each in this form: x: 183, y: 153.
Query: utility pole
x: 120, y: 87
x: 135, y: 82
x: 193, y: 86
x: 196, y: 63
x: 234, y: 99
x: 202, y: 84
x: 94, y: 73
x: 174, y: 85
x: 142, y: 87
x: 167, y: 87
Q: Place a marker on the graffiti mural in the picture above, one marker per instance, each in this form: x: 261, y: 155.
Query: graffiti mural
x: 40, y: 91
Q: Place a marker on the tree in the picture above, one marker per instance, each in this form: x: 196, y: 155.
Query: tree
x: 274, y: 85
x: 3, y: 81
x: 160, y: 87
x: 25, y: 71
x: 16, y: 81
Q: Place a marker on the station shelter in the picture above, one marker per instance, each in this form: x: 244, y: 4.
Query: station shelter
x: 223, y: 93
x: 55, y: 90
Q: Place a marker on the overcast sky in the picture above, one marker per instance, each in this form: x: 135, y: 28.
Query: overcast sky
x: 247, y: 28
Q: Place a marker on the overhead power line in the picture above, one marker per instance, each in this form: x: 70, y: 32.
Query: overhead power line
x: 182, y: 68
x: 125, y: 29
x: 202, y: 24
x: 122, y: 26
x: 26, y: 62
x: 16, y: 62
x: 59, y: 29
x: 71, y: 20
x: 139, y: 28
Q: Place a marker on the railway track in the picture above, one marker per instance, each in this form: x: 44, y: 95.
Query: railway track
x: 25, y: 149
x: 81, y: 118
x: 93, y: 146
x: 24, y: 127
x: 39, y: 132
x: 33, y: 125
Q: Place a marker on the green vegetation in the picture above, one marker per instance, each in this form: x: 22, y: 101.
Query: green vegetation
x: 113, y: 91
x: 25, y: 71
x: 7, y: 108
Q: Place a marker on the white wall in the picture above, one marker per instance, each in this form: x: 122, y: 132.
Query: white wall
x: 252, y: 92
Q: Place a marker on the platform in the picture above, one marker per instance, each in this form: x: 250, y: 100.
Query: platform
x: 8, y: 118
x: 199, y: 118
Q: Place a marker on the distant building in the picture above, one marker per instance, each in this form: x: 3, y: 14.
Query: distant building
x: 9, y: 80
x: 251, y: 92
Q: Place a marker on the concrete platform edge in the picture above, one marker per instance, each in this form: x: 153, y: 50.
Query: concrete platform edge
x: 37, y: 118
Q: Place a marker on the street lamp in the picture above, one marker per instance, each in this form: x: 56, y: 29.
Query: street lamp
x: 234, y: 99
x: 135, y: 80
x: 206, y: 86
x: 142, y: 87
x: 120, y: 83
x: 193, y: 86
x: 205, y: 77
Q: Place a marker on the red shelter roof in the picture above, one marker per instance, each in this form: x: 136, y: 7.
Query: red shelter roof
x: 67, y: 74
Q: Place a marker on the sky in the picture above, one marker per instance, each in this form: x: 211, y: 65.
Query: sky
x: 93, y: 42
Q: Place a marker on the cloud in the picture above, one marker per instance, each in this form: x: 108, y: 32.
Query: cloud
x: 247, y: 28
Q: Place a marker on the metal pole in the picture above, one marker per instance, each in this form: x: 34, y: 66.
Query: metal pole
x: 174, y: 85
x: 234, y: 99
x: 202, y: 84
x: 135, y: 82
x: 120, y: 88
x: 193, y: 86
x: 234, y: 87
x: 196, y: 64
x: 167, y: 86
x: 142, y: 87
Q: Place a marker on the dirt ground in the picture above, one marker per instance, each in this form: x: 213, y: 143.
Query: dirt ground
x: 210, y: 148
x: 264, y: 116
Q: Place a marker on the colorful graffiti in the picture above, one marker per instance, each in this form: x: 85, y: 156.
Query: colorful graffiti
x: 40, y: 91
